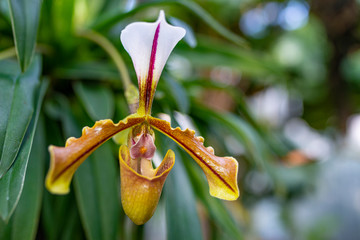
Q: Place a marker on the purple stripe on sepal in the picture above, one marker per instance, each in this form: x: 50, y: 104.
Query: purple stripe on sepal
x: 149, y: 79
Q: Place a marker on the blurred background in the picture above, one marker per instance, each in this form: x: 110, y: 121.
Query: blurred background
x: 275, y: 84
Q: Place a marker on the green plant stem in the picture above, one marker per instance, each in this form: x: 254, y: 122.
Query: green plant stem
x: 112, y: 51
x: 7, y: 53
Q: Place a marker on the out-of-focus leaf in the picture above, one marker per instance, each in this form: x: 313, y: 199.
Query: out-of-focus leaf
x: 189, y: 36
x: 25, y: 16
x: 98, y: 100
x: 96, y: 186
x: 278, y: 145
x: 4, y: 10
x: 115, y: 6
x: 215, y: 207
x: 212, y: 22
x: 241, y: 130
x: 155, y: 228
x: 16, y: 108
x: 60, y: 218
x: 259, y: 153
x: 23, y: 224
x: 11, y: 185
x: 90, y: 71
x: 181, y: 215
x: 178, y: 93
x: 108, y: 20
x: 63, y: 29
x: 96, y: 192
x: 210, y: 53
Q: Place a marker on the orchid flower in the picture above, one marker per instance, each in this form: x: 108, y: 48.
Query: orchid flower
x: 149, y: 45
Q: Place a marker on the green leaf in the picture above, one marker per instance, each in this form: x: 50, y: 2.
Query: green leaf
x: 11, y: 185
x: 23, y: 223
x: 177, y: 92
x: 4, y: 10
x: 108, y: 20
x: 98, y: 100
x: 97, y: 194
x: 181, y: 214
x: 189, y: 38
x: 25, y: 16
x: 96, y: 71
x: 239, y: 129
x: 215, y: 53
x: 63, y: 10
x: 213, y: 23
x: 16, y: 108
x: 9, y: 72
x: 96, y: 185
x: 215, y: 207
x: 258, y: 151
x: 60, y: 217
x: 182, y: 219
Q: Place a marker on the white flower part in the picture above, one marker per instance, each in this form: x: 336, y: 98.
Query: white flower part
x: 146, y: 40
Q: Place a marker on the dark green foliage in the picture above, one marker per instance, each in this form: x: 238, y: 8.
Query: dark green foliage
x: 63, y: 81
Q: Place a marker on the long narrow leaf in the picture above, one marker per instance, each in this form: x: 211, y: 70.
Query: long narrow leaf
x: 9, y: 72
x: 11, y: 185
x: 215, y: 207
x: 18, y: 118
x: 98, y: 100
x: 96, y: 192
x: 26, y: 216
x: 25, y: 16
x: 60, y: 218
x: 23, y: 223
x: 96, y: 186
x: 181, y: 214
x: 109, y: 20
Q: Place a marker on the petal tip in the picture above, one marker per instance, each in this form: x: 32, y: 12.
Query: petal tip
x: 54, y: 187
x: 221, y: 172
x: 161, y: 16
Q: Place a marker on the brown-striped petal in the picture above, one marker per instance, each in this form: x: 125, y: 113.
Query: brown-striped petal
x: 221, y: 172
x: 140, y: 194
x: 65, y: 160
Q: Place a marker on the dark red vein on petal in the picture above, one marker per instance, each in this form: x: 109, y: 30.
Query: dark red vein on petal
x: 192, y: 152
x: 89, y: 150
x: 151, y: 70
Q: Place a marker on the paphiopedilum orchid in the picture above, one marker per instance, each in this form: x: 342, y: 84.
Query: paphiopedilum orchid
x: 149, y: 45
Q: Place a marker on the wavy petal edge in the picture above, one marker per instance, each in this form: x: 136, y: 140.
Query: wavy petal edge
x: 221, y: 172
x: 65, y: 160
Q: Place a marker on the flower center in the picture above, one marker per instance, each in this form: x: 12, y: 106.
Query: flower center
x: 141, y: 142
x: 143, y: 150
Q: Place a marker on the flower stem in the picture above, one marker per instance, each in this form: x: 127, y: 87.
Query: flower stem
x: 131, y: 92
x: 112, y: 51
